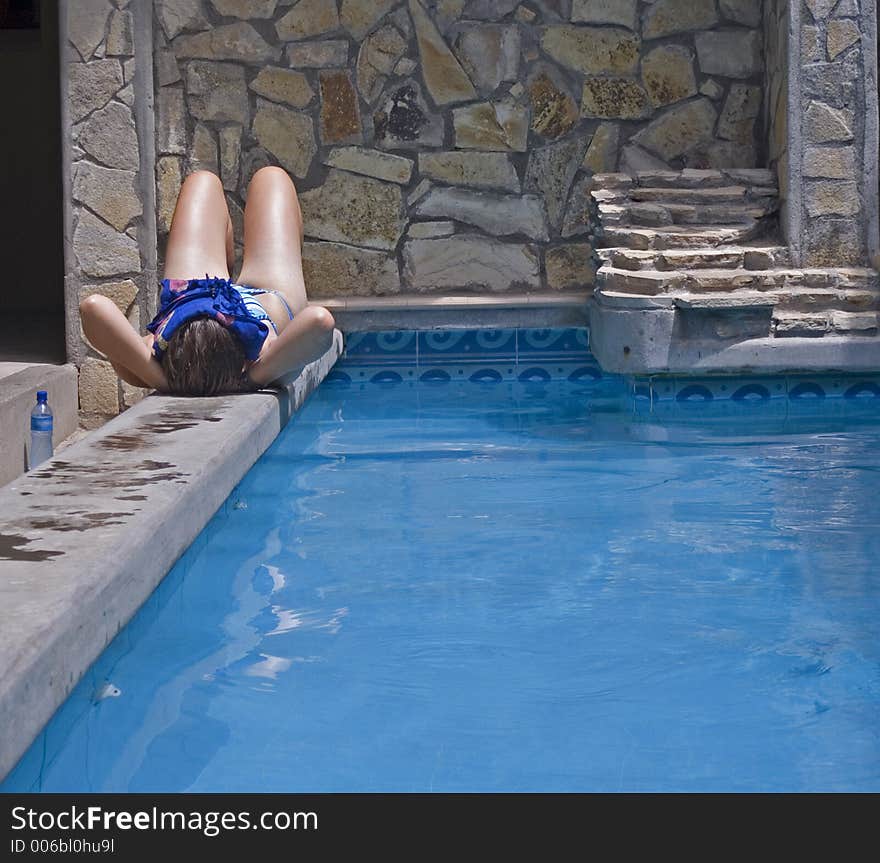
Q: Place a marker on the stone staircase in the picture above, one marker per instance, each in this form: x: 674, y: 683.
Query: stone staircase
x: 700, y: 247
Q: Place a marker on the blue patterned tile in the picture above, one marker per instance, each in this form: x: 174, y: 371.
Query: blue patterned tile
x: 799, y: 388
x: 457, y: 347
x: 569, y: 341
x: 484, y: 372
x: 385, y: 374
x: 865, y: 388
x: 395, y: 348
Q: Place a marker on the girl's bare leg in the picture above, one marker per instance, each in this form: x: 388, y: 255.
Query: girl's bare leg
x: 200, y: 242
x: 273, y: 235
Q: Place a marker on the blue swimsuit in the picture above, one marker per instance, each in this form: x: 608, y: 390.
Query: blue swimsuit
x: 255, y: 307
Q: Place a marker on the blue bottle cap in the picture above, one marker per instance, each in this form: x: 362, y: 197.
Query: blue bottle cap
x: 42, y: 395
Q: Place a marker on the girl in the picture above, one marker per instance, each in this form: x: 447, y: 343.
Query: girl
x: 212, y: 335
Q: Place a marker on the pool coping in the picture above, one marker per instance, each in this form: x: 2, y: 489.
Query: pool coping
x: 76, y: 537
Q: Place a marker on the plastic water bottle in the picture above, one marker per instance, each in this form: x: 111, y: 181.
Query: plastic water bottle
x: 41, y: 431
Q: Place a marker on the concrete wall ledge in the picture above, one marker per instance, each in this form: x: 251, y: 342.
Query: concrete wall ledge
x: 17, y: 394
x: 85, y: 540
x: 646, y: 341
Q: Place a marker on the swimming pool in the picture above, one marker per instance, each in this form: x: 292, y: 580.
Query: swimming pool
x: 499, y: 584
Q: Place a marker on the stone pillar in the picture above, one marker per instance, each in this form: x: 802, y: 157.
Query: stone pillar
x: 107, y: 141
x: 833, y: 138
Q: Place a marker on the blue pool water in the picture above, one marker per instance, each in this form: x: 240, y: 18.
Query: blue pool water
x: 475, y: 587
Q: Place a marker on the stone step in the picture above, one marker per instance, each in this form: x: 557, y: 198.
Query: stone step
x: 650, y: 214
x: 788, y: 324
x: 690, y: 178
x: 789, y: 306
x: 750, y: 258
x: 792, y: 281
x: 680, y: 237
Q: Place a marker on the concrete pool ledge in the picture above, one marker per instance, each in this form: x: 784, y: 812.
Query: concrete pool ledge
x: 87, y: 538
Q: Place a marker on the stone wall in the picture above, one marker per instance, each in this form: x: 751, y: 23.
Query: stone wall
x: 110, y: 241
x: 447, y: 145
x: 777, y: 22
x: 835, y: 137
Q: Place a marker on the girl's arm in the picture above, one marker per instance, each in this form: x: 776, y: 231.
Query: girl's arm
x: 110, y: 332
x: 303, y: 340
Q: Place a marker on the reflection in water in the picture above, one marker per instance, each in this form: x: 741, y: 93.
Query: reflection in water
x: 539, y: 587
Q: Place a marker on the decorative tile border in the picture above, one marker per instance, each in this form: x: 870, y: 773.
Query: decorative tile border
x: 756, y: 389
x: 541, y: 355
x: 487, y: 356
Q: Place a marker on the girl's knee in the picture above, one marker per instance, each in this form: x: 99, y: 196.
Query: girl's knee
x: 93, y: 305
x: 203, y: 177
x: 274, y: 175
x: 318, y: 319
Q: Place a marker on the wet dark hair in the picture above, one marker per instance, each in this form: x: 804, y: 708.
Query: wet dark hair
x: 204, y: 359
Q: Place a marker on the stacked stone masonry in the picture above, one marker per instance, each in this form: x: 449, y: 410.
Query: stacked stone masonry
x: 838, y: 132
x: 448, y: 145
x: 705, y: 244
x: 111, y: 237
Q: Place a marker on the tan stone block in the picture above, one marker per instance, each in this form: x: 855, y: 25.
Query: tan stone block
x: 283, y: 85
x: 832, y: 163
x: 245, y: 8
x: 86, y: 27
x: 371, y: 163
x: 109, y: 192
x: 102, y: 251
x: 169, y: 177
x: 203, y: 150
x: 131, y: 395
x: 339, y: 270
x: 601, y: 156
x: 842, y: 34
x: 109, y: 136
x: 554, y: 111
x: 464, y: 168
x: 666, y: 17
x: 491, y: 126
x: 569, y: 267
x: 98, y: 387
x: 217, y: 92
x: 287, y: 134
x: 356, y: 210
x: 230, y: 155
x: 377, y: 58
x: 832, y: 199
x: 308, y: 18
x: 668, y: 73
x: 593, y: 50
x: 91, y: 86
x: 444, y: 77
x: 119, y: 38
x: 811, y: 46
x: 318, y: 55
x: 489, y: 53
x: 615, y: 99
x: 622, y: 12
x: 239, y: 41
x: 741, y: 108
x: 360, y: 16
x: 340, y: 116
x: 825, y: 124
x: 679, y: 129
x: 178, y: 15
x: 470, y: 261
x: 122, y: 293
